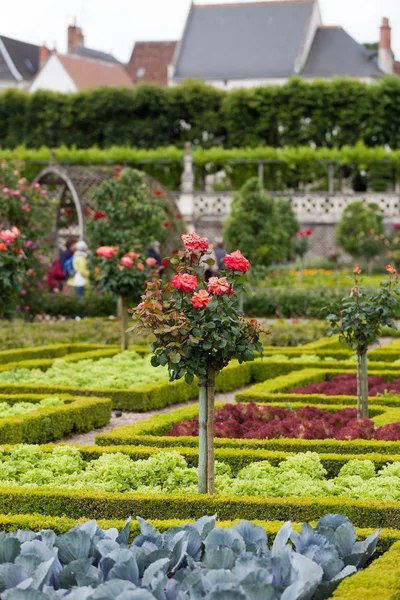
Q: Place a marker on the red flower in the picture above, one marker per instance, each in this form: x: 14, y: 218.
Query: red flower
x: 7, y: 236
x: 201, y: 299
x: 126, y: 261
x: 396, y: 226
x: 165, y: 262
x: 117, y: 170
x: 158, y: 193
x: 194, y: 242
x: 99, y: 215
x: 132, y: 255
x: 166, y: 225
x: 140, y: 267
x: 105, y: 251
x: 151, y: 262
x: 68, y: 212
x: 237, y: 262
x: 3, y: 247
x: 178, y: 216
x: 308, y: 232
x: 86, y: 212
x: 356, y: 270
x: 184, y: 282
x: 392, y: 271
x: 219, y: 286
x: 301, y: 233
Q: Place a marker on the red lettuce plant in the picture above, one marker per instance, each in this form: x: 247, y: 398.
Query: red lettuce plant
x: 247, y: 421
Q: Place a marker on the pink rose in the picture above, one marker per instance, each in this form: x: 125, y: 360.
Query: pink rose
x: 140, y: 267
x: 40, y: 286
x: 26, y: 208
x: 219, y: 286
x: 195, y: 243
x: 7, y: 236
x: 126, y: 261
x: 23, y: 292
x: 201, y: 299
x: 16, y: 231
x: 16, y: 193
x: 151, y: 262
x: 237, y: 262
x: 185, y: 282
x: 27, y: 308
x: 6, y: 191
x: 43, y: 193
x: 132, y: 255
x: 15, y: 173
x: 105, y: 251
x: 36, y: 186
x: 29, y: 244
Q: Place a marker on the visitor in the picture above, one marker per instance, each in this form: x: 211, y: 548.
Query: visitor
x: 81, y: 271
x: 220, y: 252
x: 67, y: 256
x: 154, y: 252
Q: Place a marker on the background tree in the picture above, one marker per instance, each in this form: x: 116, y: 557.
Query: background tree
x: 262, y: 226
x: 128, y: 216
x: 360, y: 231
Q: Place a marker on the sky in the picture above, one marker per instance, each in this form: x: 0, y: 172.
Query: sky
x: 114, y: 25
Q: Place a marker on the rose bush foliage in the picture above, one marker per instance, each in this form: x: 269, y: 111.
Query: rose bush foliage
x: 198, y: 324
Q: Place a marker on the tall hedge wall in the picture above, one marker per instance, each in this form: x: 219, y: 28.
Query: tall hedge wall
x: 327, y: 113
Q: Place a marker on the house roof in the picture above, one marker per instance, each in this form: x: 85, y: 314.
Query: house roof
x: 18, y: 60
x: 335, y: 53
x: 95, y: 54
x: 150, y: 60
x: 88, y: 74
x: 253, y: 40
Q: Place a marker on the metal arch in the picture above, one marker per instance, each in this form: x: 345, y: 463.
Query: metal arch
x: 63, y: 175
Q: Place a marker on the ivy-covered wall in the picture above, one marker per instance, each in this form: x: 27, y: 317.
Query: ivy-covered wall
x: 324, y: 113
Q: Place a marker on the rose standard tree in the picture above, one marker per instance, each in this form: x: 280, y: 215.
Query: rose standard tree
x: 199, y: 329
x: 128, y: 216
x: 359, y: 319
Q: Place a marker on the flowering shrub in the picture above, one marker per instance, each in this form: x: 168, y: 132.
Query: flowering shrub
x: 12, y: 269
x: 271, y: 422
x: 302, y: 244
x: 198, y: 324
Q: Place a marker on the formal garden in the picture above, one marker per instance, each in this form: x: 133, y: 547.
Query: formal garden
x: 183, y: 431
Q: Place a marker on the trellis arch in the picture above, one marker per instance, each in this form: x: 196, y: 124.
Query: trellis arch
x: 79, y: 182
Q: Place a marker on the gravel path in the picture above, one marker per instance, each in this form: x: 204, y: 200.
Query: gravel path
x: 129, y: 418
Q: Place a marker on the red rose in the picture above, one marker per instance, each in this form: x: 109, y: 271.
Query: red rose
x: 158, y: 193
x: 237, y: 262
x: 105, y: 251
x: 68, y: 212
x: 86, y: 212
x: 194, y: 242
x: 99, y: 215
x: 3, y: 247
x: 166, y: 225
x: 219, y: 286
x: 165, y: 262
x: 308, y: 232
x: 396, y: 226
x: 184, y: 282
x: 301, y: 233
x: 201, y: 299
x: 178, y: 216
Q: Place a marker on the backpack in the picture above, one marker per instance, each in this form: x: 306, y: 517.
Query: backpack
x: 69, y: 267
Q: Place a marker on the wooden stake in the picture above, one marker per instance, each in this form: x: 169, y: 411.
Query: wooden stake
x: 123, y: 308
x: 203, y: 437
x: 211, y: 375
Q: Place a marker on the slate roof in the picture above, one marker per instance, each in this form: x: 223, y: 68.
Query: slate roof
x: 335, y: 53
x: 89, y: 74
x: 251, y: 41
x: 150, y: 60
x: 95, y: 54
x: 25, y: 58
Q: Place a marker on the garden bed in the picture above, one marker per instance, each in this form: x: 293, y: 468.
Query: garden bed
x: 45, y: 423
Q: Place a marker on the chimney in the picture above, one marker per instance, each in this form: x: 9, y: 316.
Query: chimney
x: 75, y: 37
x: 385, y: 54
x: 44, y: 55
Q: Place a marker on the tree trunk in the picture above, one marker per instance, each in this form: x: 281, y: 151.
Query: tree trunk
x: 203, y: 454
x: 123, y: 310
x: 211, y: 374
x: 362, y: 385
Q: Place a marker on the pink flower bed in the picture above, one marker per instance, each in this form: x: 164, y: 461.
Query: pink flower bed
x: 346, y: 385
x: 271, y: 422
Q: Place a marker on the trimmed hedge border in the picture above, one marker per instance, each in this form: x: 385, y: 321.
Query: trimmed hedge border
x: 52, y: 423
x: 96, y: 505
x: 151, y: 432
x: 379, y: 581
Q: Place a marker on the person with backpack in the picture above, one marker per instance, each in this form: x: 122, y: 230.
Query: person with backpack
x: 81, y: 271
x: 67, y: 258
